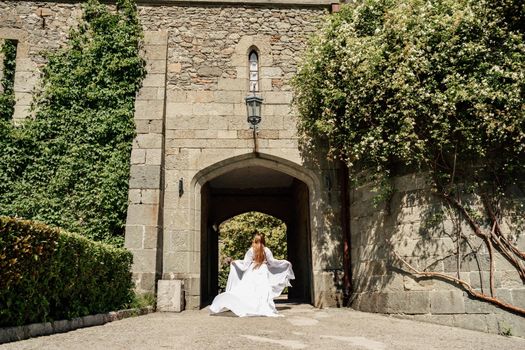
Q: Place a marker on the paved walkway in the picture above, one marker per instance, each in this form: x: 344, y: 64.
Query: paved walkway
x: 302, y: 327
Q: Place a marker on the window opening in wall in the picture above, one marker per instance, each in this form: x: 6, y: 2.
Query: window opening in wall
x: 7, y: 77
x: 254, y: 71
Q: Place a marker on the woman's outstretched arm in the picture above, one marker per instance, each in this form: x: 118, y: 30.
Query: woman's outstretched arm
x: 245, y: 263
x: 272, y: 262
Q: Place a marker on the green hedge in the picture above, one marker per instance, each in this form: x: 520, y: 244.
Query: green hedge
x: 47, y: 274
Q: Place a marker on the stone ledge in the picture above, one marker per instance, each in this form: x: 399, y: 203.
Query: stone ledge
x: 321, y: 3
x: 309, y: 3
x: 10, y: 334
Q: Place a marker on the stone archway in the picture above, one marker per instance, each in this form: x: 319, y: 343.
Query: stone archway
x: 262, y: 183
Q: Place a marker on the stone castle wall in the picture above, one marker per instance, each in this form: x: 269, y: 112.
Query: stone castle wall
x: 191, y: 122
x: 190, y: 116
x: 38, y: 27
x: 204, y: 121
x: 380, y: 280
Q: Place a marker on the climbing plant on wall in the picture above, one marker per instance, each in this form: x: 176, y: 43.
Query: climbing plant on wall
x: 7, y: 94
x: 434, y: 86
x: 10, y: 157
x: 70, y: 166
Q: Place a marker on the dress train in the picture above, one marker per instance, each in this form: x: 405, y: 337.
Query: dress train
x: 250, y: 291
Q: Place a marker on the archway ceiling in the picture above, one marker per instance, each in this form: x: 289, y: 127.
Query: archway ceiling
x: 252, y: 177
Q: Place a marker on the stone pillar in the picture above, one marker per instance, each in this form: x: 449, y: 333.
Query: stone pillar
x: 144, y: 221
x: 26, y: 78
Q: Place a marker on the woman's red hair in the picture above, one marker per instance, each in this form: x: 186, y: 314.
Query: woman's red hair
x: 258, y: 250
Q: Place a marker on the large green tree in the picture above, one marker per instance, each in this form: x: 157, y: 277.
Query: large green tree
x: 69, y: 165
x: 436, y: 86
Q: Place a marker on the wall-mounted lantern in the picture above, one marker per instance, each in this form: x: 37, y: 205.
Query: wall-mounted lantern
x: 253, y: 107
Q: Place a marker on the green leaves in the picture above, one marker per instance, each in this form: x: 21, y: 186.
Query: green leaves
x: 419, y: 83
x: 7, y: 96
x: 69, y: 166
x: 47, y: 274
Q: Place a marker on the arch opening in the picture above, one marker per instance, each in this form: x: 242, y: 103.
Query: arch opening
x: 256, y: 188
x: 236, y: 235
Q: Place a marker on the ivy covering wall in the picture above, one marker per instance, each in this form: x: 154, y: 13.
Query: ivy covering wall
x: 69, y: 165
x: 7, y: 95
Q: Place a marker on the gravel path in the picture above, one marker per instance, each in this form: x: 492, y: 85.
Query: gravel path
x: 302, y: 327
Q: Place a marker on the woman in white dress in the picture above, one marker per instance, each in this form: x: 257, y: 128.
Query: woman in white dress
x: 254, y: 282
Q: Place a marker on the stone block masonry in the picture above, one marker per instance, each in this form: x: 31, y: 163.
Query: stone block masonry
x: 382, y: 285
x: 144, y: 222
x: 190, y: 115
x: 205, y: 121
x: 22, y: 21
x: 190, y: 118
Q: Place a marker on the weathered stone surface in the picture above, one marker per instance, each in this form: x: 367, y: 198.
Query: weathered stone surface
x: 147, y: 177
x: 508, y: 323
x: 155, y: 37
x: 474, y: 306
x: 192, y: 286
x: 179, y: 240
x: 187, y: 122
x: 414, y: 302
x: 155, y: 52
x: 170, y: 296
x: 149, y: 109
x: 447, y: 302
x: 134, y: 237
x: 404, y: 229
x: 192, y: 302
x: 142, y: 214
x: 144, y: 260
x: 151, y: 237
x: 518, y: 297
x: 154, y: 79
x: 76, y: 322
x: 138, y: 156
x: 151, y: 93
x: 178, y: 261
x: 151, y: 141
x: 146, y: 282
x: 153, y: 156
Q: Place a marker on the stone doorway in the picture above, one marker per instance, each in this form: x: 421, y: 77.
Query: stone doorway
x: 256, y: 186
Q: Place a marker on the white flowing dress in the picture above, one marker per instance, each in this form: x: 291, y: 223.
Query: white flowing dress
x: 250, y: 291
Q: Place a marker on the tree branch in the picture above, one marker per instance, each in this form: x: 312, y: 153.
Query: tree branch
x: 499, y: 232
x: 466, y: 286
x: 487, y: 238
x: 491, y: 257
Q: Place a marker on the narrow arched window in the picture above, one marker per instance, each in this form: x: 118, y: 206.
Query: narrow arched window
x: 254, y: 71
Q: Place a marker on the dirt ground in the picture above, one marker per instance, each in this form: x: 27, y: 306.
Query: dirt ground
x: 301, y: 327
